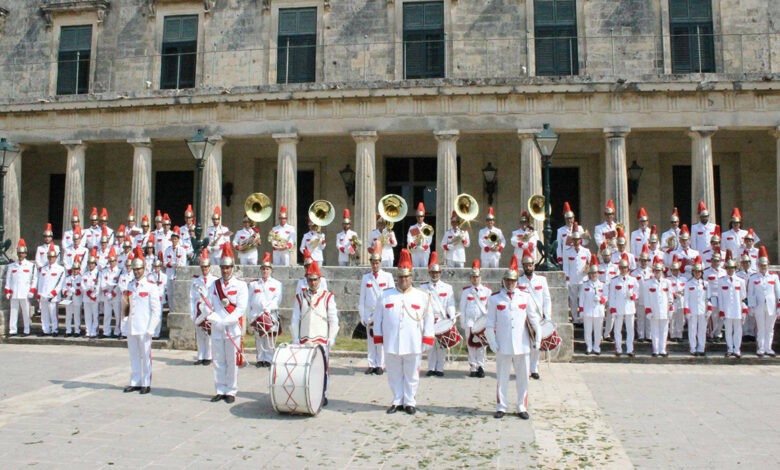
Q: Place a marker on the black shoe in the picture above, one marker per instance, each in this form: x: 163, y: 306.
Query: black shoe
x: 598, y: 353
x: 617, y: 354
x: 655, y: 354
x: 587, y: 353
x: 480, y: 373
x: 229, y: 398
x: 24, y: 335
x: 738, y: 355
x: 535, y: 375
x: 760, y: 354
x: 393, y: 409
x: 370, y: 371
x: 770, y: 354
x: 100, y: 336
x: 131, y: 388
x: 410, y: 410
x: 498, y: 414
x: 379, y: 371
x: 439, y: 373
x: 727, y: 354
x: 664, y: 354
x: 145, y: 390
x: 324, y: 402
x: 523, y: 415
x: 694, y: 353
x: 206, y: 362
x: 473, y: 373
x: 198, y: 362
x: 217, y: 398
x: 630, y: 354
x: 430, y: 373
x: 259, y: 364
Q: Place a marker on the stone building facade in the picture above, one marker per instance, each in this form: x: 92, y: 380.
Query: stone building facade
x: 101, y: 95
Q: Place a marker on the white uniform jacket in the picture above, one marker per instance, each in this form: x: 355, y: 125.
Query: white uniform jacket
x: 419, y: 243
x: 109, y: 280
x: 163, y: 241
x: 50, y: 281
x: 764, y: 293
x: 303, y: 285
x: 677, y: 285
x: 734, y: 240
x: 706, y: 255
x: 72, y: 288
x: 371, y: 290
x: 485, y: 244
x: 592, y: 299
x: 403, y: 321
x: 455, y: 252
x: 174, y: 258
x: 217, y: 236
x: 473, y: 304
x: 606, y: 272
x: 265, y: 295
x: 605, y: 231
x: 315, y: 317
x: 387, y: 246
x: 575, y: 264
x: 21, y: 280
x: 657, y: 298
x: 671, y: 233
x: 509, y: 317
x: 286, y: 237
x: 200, y: 284
x: 344, y: 245
x: 686, y: 258
x: 639, y: 237
x: 536, y: 285
x: 67, y: 240
x: 519, y: 244
x: 315, y: 243
x: 242, y: 236
x: 616, y: 255
x: 623, y: 292
x: 161, y: 281
x: 731, y: 293
x: 42, y: 255
x: 443, y: 298
x: 69, y: 257
x: 712, y: 278
x: 563, y: 240
x: 91, y: 282
x: 144, y: 307
x: 696, y: 300
x: 701, y: 235
x: 229, y: 301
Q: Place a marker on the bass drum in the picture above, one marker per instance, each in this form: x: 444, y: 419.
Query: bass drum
x: 297, y: 379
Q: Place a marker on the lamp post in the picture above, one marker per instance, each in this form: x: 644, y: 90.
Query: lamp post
x: 546, y: 140
x: 489, y: 179
x: 200, y: 147
x: 634, y: 174
x: 8, y: 154
x: 348, y: 177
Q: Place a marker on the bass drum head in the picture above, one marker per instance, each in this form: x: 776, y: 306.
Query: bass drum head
x: 315, y: 386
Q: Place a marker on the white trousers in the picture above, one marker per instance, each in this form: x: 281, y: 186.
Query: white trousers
x: 676, y: 323
x: 159, y: 322
x: 609, y: 323
x: 225, y: 368
x: 749, y: 327
x: 436, y: 356
x: 387, y: 263
x: 420, y: 258
x: 249, y: 258
x: 403, y: 374
x: 73, y: 316
x: 504, y: 363
x: 593, y: 327
x: 489, y: 259
x: 697, y: 332
x: 765, y: 331
x: 660, y: 332
x: 111, y: 309
x: 91, y: 318
x: 734, y: 335
x: 476, y: 356
x: 574, y: 300
x: 204, y: 343
x: 376, y: 352
x: 265, y: 347
x: 281, y: 258
x: 629, y: 321
x: 13, y: 320
x: 49, y: 319
x: 140, y: 349
x: 717, y: 325
x: 643, y: 328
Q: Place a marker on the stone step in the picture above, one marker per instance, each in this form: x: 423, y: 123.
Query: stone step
x: 81, y: 341
x: 37, y: 327
x: 716, y: 347
x: 677, y: 359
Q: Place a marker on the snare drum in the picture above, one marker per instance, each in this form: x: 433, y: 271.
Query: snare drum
x: 478, y: 338
x: 266, y: 324
x: 550, y: 338
x: 297, y: 379
x: 446, y: 334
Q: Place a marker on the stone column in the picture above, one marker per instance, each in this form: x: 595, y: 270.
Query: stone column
x: 141, y: 194
x: 365, y: 188
x: 12, y: 200
x: 776, y: 135
x: 287, y: 177
x: 446, y: 181
x: 211, y: 193
x: 530, y: 173
x: 617, y: 176
x: 702, y: 179
x: 74, y: 181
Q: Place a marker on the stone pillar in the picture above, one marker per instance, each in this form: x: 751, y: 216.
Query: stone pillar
x: 617, y: 175
x: 12, y: 200
x: 776, y: 134
x: 287, y: 177
x: 141, y: 195
x: 702, y: 179
x: 74, y: 181
x: 365, y: 188
x: 211, y: 193
x: 530, y: 174
x: 446, y: 181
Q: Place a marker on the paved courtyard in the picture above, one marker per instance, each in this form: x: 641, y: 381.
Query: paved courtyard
x: 63, y: 407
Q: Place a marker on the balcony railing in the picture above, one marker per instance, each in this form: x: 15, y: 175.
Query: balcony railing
x: 630, y: 57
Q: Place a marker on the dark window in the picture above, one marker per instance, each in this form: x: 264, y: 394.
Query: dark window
x: 173, y: 190
x: 73, y: 60
x: 691, y: 36
x: 297, y: 46
x: 566, y: 181
x: 555, y: 30
x: 423, y: 40
x: 681, y: 180
x: 57, y: 203
x: 179, y: 52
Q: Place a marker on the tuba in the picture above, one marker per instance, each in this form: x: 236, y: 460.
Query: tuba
x: 392, y: 208
x: 536, y: 207
x: 466, y: 207
x: 257, y: 207
x: 321, y: 212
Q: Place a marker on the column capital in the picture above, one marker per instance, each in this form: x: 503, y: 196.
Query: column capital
x: 775, y: 132
x: 528, y: 133
x: 140, y: 142
x: 365, y: 136
x: 702, y: 131
x: 616, y: 131
x: 447, y: 135
x: 73, y: 144
x: 286, y: 138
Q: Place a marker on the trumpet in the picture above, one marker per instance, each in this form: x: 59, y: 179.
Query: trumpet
x: 493, y: 238
x: 425, y: 231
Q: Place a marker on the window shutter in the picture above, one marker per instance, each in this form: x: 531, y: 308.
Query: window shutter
x: 76, y: 38
x: 414, y: 16
x: 545, y: 53
x: 180, y: 29
x: 565, y: 11
x: 544, y: 12
x: 678, y: 9
x: 681, y: 52
x: 433, y: 15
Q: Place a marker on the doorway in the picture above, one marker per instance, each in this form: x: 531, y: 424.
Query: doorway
x: 304, y: 196
x: 681, y: 180
x: 564, y: 186
x: 414, y: 179
x: 173, y: 190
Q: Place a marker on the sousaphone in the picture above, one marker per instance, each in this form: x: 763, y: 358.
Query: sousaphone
x: 466, y: 207
x: 258, y: 207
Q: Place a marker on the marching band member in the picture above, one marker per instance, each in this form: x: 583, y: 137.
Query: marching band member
x: 622, y: 298
x: 697, y: 308
x: 228, y: 299
x: 283, y: 239
x: 201, y: 283
x: 77, y: 250
x: 49, y: 289
x: 677, y: 286
x: 314, y: 241
x: 158, y: 224
x: 175, y: 257
x: 303, y: 283
x: 607, y: 270
x: 119, y: 238
x: 72, y: 290
x: 455, y: 242
x: 745, y: 272
x: 159, y: 278
x: 642, y: 273
x: 42, y: 253
x: 315, y: 318
x: 93, y: 232
x: 110, y: 296
x: 127, y: 253
x: 91, y: 282
x: 20, y: 287
x: 347, y: 241
x: 510, y: 313
x: 125, y: 277
x: 443, y: 307
x: 715, y: 247
x: 702, y: 231
x: 403, y: 324
x: 730, y: 296
x: 562, y: 236
x: 143, y: 237
x: 535, y: 285
x: 103, y: 222
x: 622, y: 247
x: 653, y: 248
x: 265, y: 295
x: 673, y: 233
x: 149, y: 254
x: 491, y: 241
x: 641, y: 236
x: 217, y: 235
x: 162, y: 240
x: 764, y: 300
x: 750, y: 249
x: 140, y: 310
x: 734, y: 238
x: 473, y: 305
x: 524, y: 237
x: 606, y: 231
x: 132, y: 229
x: 685, y: 253
x: 657, y: 301
x: 372, y: 287
x: 417, y: 241
x: 575, y: 266
x: 386, y: 239
x: 591, y: 305
x: 103, y: 251
x: 67, y: 237
x: 711, y: 276
x: 246, y: 241
x: 184, y: 230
